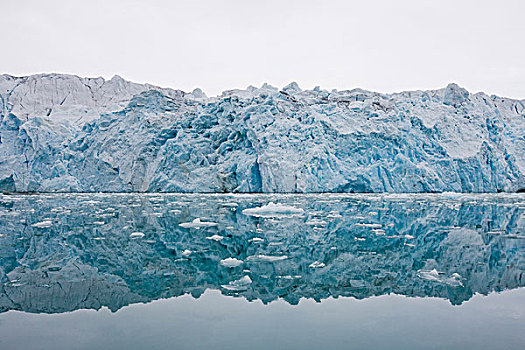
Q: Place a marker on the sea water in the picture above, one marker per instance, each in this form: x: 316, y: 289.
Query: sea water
x: 262, y: 271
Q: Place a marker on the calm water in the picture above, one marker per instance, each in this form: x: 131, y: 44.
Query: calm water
x: 129, y: 271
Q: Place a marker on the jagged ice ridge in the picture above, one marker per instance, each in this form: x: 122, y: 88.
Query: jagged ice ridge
x: 62, y: 133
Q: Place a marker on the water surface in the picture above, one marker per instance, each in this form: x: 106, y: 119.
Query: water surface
x: 321, y: 271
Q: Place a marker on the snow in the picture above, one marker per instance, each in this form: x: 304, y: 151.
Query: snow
x: 62, y: 133
x: 197, y: 223
x: 273, y: 210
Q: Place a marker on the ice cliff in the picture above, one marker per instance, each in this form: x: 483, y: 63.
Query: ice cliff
x: 62, y: 133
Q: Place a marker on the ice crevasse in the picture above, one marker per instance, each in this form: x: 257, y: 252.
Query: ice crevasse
x: 63, y: 133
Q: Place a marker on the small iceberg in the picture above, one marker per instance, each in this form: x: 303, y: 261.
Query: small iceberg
x: 435, y: 276
x: 231, y: 262
x: 362, y: 224
x: 316, y: 265
x: 315, y: 222
x: 215, y: 238
x: 256, y: 240
x: 239, y: 285
x: 186, y: 252
x: 273, y: 210
x: 266, y: 258
x: 135, y: 235
x: 230, y: 204
x: 43, y: 224
x: 197, y: 223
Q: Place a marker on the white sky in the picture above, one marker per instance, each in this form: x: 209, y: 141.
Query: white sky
x: 216, y: 45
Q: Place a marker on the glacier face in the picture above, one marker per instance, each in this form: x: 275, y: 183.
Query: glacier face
x: 62, y: 133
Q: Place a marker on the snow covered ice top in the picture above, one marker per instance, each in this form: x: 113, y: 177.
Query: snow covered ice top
x: 65, y: 133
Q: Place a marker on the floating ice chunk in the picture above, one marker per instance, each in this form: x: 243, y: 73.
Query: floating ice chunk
x: 186, y: 252
x: 409, y: 245
x: 91, y: 202
x: 362, y: 224
x: 334, y: 215
x: 238, y: 285
x: 231, y: 262
x: 316, y: 265
x: 256, y: 240
x: 360, y: 239
x: 379, y: 232
x: 98, y: 222
x: 454, y: 280
x: 273, y: 210
x: 230, y: 204
x: 285, y: 277
x: 197, y: 223
x: 315, y: 222
x: 135, y: 235
x: 452, y: 195
x: 433, y: 275
x: 408, y: 236
x: 43, y: 224
x: 266, y: 258
x: 216, y: 238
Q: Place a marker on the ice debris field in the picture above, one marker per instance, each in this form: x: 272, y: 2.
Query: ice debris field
x: 62, y: 133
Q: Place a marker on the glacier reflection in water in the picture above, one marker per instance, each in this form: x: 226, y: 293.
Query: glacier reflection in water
x: 66, y: 252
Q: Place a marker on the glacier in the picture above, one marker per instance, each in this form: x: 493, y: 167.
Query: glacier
x: 63, y: 133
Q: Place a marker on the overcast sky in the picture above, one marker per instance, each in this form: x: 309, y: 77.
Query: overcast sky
x: 382, y: 45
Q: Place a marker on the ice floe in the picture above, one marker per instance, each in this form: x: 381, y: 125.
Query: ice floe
x: 273, y: 210
x: 238, y: 285
x: 435, y: 276
x: 316, y: 265
x: 135, y: 235
x: 43, y: 224
x: 266, y: 258
x: 216, y: 238
x: 197, y: 223
x: 231, y: 262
